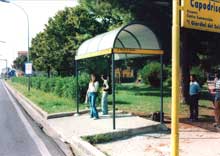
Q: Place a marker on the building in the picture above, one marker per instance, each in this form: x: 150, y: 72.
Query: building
x: 124, y: 75
x: 22, y: 53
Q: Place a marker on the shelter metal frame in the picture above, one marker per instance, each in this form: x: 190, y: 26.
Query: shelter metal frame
x: 133, y: 39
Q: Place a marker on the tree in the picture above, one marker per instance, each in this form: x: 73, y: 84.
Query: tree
x: 19, y: 62
x: 56, y: 47
x: 107, y: 13
x: 42, y: 59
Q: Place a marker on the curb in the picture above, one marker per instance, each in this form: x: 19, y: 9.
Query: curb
x: 40, y: 117
x: 65, y: 114
x: 83, y: 148
x: 118, y: 134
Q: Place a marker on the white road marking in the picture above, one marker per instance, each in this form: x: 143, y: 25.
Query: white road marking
x: 40, y: 144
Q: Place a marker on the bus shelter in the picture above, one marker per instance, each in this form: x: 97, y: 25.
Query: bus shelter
x: 130, y: 41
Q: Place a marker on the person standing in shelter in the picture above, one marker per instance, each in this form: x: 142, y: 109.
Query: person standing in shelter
x: 217, y: 102
x: 194, y: 91
x: 105, y: 89
x: 93, y: 93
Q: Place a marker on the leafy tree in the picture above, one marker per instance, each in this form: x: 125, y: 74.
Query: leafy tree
x: 55, y: 48
x: 19, y: 62
x: 105, y: 11
x: 42, y: 59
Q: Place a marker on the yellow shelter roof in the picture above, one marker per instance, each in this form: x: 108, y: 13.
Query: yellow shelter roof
x: 132, y: 40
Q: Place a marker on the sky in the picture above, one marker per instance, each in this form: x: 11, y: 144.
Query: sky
x: 13, y: 24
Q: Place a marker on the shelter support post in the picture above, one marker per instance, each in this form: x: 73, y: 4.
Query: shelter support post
x: 161, y: 90
x: 113, y: 88
x: 77, y: 87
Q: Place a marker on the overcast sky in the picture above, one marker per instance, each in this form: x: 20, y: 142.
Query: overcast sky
x: 13, y: 23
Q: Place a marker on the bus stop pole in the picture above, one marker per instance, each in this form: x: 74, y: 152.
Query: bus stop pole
x: 175, y: 79
x: 113, y: 88
x: 161, y: 90
x: 77, y: 87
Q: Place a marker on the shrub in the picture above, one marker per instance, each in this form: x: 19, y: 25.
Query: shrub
x: 83, y: 85
x: 36, y: 82
x: 168, y: 75
x: 58, y: 89
x: 63, y: 87
x: 150, y: 74
x: 69, y: 87
x: 198, y: 72
x: 52, y: 84
x: 44, y: 84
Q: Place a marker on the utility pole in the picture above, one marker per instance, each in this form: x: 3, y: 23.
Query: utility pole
x: 175, y: 79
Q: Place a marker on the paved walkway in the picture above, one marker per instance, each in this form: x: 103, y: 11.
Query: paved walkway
x: 194, y: 141
x: 83, y: 125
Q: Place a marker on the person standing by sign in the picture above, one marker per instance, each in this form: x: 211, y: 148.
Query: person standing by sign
x: 217, y: 102
x: 105, y: 89
x: 92, y: 91
x: 194, y: 90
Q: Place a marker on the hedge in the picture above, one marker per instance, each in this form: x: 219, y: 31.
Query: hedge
x: 61, y: 86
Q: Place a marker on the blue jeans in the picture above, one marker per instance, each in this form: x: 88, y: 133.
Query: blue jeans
x: 92, y: 103
x: 104, y: 103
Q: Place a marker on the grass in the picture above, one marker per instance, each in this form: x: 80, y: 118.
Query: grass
x: 47, y: 101
x: 130, y: 97
x: 144, y: 99
x: 101, y: 138
x: 140, y: 98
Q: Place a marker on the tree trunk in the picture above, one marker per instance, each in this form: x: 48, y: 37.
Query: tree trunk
x: 185, y: 66
x: 48, y: 72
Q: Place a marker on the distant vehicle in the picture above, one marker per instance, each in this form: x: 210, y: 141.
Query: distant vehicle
x: 11, y: 73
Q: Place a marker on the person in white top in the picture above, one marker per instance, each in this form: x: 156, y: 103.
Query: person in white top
x: 105, y: 89
x: 92, y: 92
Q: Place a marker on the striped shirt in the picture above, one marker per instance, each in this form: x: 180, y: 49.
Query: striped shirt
x: 217, y: 86
x: 217, y: 90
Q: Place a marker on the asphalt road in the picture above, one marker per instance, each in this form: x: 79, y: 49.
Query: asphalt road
x: 19, y: 134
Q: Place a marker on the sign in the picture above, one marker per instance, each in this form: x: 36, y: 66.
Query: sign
x: 201, y: 15
x: 28, y: 68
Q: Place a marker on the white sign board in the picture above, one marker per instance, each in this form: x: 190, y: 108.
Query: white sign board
x: 28, y: 68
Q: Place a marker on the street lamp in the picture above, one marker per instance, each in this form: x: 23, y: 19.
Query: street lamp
x: 6, y: 61
x: 28, y: 59
x: 2, y: 41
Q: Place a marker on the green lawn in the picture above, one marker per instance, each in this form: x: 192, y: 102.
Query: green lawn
x: 144, y: 99
x: 140, y: 98
x: 47, y: 101
x: 129, y: 97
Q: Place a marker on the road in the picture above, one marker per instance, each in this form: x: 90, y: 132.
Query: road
x: 19, y: 134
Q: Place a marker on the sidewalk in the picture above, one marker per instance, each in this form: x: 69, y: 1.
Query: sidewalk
x: 73, y: 128
x: 194, y: 141
x: 83, y: 125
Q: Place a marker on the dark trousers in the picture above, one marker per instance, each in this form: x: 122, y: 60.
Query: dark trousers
x: 194, y: 106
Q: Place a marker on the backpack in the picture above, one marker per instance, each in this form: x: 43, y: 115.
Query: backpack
x: 109, y: 90
x: 156, y: 116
